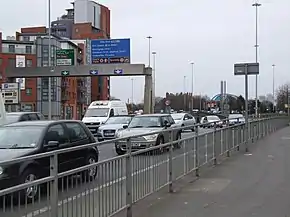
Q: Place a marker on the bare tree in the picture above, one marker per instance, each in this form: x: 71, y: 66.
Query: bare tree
x: 282, y: 97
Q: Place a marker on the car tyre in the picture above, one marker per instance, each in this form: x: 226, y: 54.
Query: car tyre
x: 120, y: 152
x: 160, y: 141
x: 30, y: 194
x: 90, y: 174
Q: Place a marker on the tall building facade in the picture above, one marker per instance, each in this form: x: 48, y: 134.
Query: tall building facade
x: 87, y: 20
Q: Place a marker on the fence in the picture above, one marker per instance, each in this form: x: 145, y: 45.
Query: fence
x: 124, y: 180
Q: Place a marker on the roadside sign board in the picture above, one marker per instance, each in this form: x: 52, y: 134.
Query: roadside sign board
x: 65, y: 57
x: 20, y: 61
x: 252, y: 68
x: 110, y: 51
x: 11, y: 93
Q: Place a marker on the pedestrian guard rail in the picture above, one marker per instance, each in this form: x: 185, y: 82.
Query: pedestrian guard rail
x: 124, y: 180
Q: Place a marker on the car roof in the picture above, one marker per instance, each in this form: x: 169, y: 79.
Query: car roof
x: 153, y: 115
x: 40, y: 123
x: 21, y: 113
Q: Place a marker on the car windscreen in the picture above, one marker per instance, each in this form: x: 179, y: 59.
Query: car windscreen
x: 177, y: 116
x: 236, y: 116
x: 145, y: 122
x: 97, y: 112
x: 118, y: 120
x: 11, y: 118
x: 213, y: 118
x: 20, y: 137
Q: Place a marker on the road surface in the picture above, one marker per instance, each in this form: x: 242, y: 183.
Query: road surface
x: 253, y: 184
x: 83, y: 198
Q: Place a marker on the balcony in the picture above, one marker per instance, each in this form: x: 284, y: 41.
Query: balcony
x: 18, y: 50
x: 81, y: 100
x: 64, y: 97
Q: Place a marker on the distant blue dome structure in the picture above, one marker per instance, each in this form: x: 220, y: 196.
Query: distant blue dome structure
x: 227, y: 97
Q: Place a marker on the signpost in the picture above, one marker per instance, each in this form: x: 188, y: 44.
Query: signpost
x: 65, y: 57
x: 11, y: 93
x: 110, y: 51
x: 20, y: 63
x: 246, y: 69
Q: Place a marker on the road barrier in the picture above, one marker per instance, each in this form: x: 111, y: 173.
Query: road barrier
x: 124, y: 180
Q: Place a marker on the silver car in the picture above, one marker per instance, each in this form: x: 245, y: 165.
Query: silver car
x: 236, y: 119
x: 211, y: 121
x: 184, y: 119
x: 114, y: 124
x: 143, y: 124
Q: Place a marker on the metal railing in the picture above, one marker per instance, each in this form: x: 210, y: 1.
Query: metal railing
x: 124, y: 180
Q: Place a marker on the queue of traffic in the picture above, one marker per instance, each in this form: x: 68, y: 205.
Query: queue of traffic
x: 28, y: 133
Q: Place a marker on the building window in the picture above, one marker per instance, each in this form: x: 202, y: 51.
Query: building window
x: 11, y: 62
x: 26, y: 38
x: 28, y: 49
x: 28, y: 91
x: 28, y: 63
x: 11, y: 48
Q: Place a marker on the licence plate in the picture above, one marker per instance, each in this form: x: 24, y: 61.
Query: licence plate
x: 136, y: 144
x: 109, y: 134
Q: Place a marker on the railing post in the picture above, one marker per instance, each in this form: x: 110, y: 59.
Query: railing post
x: 129, y: 198
x: 54, y: 184
x: 195, y: 151
x: 214, y: 145
x: 170, y: 163
x: 227, y: 138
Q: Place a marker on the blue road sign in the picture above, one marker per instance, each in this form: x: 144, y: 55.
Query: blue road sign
x: 5, y: 86
x: 94, y: 72
x: 118, y: 71
x: 109, y: 51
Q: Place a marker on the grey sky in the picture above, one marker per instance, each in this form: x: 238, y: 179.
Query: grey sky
x: 213, y: 34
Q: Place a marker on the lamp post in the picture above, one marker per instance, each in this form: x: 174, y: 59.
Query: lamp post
x: 149, y: 50
x: 49, y: 60
x: 192, y: 83
x: 273, y: 69
x: 256, y: 5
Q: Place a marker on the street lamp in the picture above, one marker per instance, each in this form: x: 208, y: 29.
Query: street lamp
x: 257, y: 5
x: 49, y: 60
x: 149, y: 47
x: 132, y: 92
x: 184, y: 92
x: 154, y: 79
x: 192, y: 83
x: 273, y: 68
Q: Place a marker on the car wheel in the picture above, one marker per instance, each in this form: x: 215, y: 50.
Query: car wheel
x: 178, y: 144
x: 29, y: 194
x: 120, y: 152
x: 91, y: 173
x: 160, y: 141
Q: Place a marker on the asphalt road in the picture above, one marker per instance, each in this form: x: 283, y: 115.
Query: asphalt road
x: 106, y: 194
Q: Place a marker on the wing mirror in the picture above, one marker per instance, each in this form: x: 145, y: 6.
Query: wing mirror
x: 125, y: 126
x: 52, y: 144
x: 167, y: 124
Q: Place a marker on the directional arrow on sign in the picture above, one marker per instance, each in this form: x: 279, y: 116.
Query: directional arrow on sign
x: 64, y: 73
x: 94, y: 72
x: 118, y: 71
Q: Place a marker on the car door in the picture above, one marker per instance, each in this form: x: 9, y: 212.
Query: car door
x: 77, y: 137
x: 186, y: 120
x: 191, y: 120
x: 56, y: 132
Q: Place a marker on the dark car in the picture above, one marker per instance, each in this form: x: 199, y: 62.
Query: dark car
x: 35, y: 137
x: 13, y: 117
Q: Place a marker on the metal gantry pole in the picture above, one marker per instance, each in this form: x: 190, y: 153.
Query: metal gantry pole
x: 256, y: 5
x: 149, y: 50
x: 273, y: 67
x: 184, y: 92
x: 49, y: 60
x: 154, y: 79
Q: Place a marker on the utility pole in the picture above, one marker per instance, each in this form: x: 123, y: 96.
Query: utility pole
x: 192, y: 84
x: 49, y: 61
x: 256, y: 5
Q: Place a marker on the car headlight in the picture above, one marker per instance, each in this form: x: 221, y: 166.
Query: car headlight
x: 1, y: 170
x: 151, y: 137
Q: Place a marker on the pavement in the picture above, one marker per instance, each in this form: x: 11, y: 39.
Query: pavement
x: 252, y: 184
x: 106, y: 194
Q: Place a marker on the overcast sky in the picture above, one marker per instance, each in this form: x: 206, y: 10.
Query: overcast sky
x: 213, y: 34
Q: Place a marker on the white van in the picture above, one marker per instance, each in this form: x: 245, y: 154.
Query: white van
x: 99, y: 111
